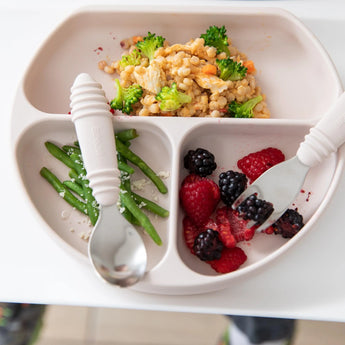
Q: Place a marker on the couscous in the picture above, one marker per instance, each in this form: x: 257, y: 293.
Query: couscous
x: 193, y: 71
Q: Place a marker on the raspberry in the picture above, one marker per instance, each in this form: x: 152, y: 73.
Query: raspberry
x: 199, y: 198
x: 208, y: 246
x: 230, y: 260
x: 211, y: 224
x: 255, y: 209
x: 231, y: 184
x: 269, y: 230
x: 288, y: 224
x: 238, y: 226
x: 256, y: 163
x: 190, y: 232
x: 191, y: 179
x: 224, y: 228
x: 200, y: 162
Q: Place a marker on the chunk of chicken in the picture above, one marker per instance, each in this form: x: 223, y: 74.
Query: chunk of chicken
x: 151, y: 78
x: 212, y: 82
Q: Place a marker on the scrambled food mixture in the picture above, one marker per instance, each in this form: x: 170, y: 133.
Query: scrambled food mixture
x: 207, y: 76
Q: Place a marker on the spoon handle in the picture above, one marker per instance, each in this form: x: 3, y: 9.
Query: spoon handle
x: 326, y: 136
x: 93, y: 123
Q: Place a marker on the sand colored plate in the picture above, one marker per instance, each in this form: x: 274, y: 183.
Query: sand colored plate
x: 294, y: 72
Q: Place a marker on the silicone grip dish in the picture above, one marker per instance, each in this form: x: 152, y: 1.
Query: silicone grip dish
x: 294, y: 72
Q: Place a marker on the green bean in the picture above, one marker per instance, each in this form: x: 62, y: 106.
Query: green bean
x: 121, y: 165
x: 74, y: 187
x: 125, y: 167
x: 72, y: 163
x: 71, y: 156
x: 127, y: 134
x: 59, y: 154
x: 144, y: 221
x: 130, y: 204
x: 90, y: 200
x: 69, y: 149
x: 124, y: 135
x: 128, y: 215
x: 150, y: 205
x: 75, y: 177
x: 147, y: 204
x: 125, y: 179
x: 125, y: 183
x: 77, y: 188
x: 132, y: 157
x: 63, y: 191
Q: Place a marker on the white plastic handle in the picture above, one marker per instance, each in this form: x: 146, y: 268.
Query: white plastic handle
x: 93, y: 123
x: 325, y: 137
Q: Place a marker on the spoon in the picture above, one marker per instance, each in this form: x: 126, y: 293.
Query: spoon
x: 116, y: 250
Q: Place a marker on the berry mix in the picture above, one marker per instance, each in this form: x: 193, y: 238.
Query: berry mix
x: 212, y: 229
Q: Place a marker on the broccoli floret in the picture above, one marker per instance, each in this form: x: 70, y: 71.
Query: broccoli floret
x: 132, y: 58
x: 149, y: 44
x: 171, y: 99
x: 126, y: 97
x: 231, y: 70
x: 216, y: 37
x: 244, y: 109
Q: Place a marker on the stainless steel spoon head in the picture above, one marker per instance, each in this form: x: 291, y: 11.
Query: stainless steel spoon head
x: 279, y: 185
x: 116, y: 249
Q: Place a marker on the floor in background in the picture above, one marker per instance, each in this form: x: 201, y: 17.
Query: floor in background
x: 65, y: 325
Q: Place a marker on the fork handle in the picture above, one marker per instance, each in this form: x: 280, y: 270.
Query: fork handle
x: 93, y: 123
x: 326, y: 137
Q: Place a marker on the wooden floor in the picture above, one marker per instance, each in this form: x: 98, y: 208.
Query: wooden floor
x: 101, y: 326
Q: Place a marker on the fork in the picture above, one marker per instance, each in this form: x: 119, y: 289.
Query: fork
x: 281, y: 184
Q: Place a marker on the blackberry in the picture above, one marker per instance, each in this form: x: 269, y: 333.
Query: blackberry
x: 255, y: 209
x: 200, y: 162
x: 207, y: 245
x: 231, y: 185
x: 288, y: 224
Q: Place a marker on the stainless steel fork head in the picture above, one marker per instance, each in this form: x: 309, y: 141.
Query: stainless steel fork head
x: 279, y: 185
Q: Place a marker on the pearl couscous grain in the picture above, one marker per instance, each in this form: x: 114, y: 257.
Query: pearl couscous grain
x: 184, y: 64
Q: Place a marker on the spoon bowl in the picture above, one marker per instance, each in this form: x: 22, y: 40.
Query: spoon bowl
x: 116, y: 250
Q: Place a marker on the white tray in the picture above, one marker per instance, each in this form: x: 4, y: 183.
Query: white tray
x: 293, y: 70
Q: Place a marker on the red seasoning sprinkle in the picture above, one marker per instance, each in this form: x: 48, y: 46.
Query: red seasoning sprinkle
x: 98, y: 50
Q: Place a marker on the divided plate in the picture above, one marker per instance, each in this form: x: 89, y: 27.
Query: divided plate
x: 294, y: 71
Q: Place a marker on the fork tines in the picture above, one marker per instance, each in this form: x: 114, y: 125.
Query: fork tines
x: 274, y: 216
x: 246, y: 194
